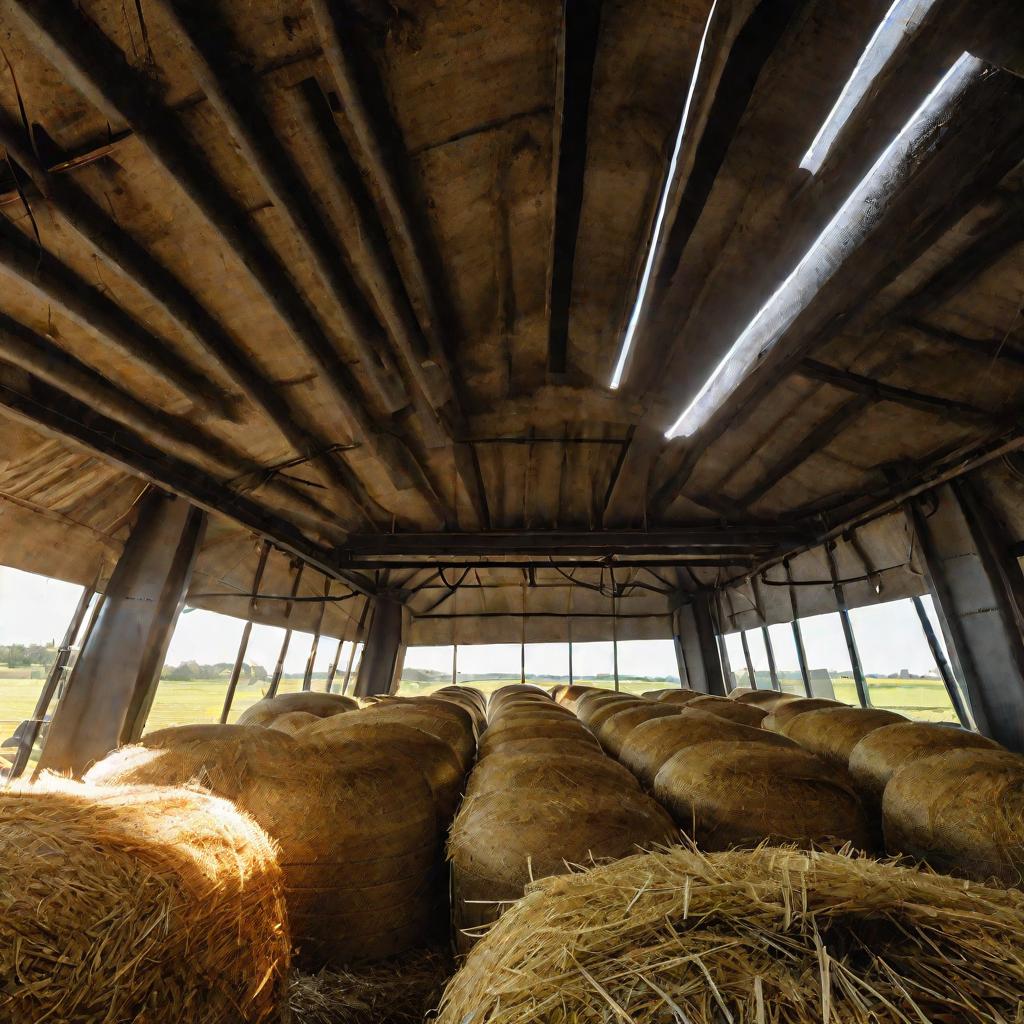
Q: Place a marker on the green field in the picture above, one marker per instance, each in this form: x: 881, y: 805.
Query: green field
x: 182, y: 703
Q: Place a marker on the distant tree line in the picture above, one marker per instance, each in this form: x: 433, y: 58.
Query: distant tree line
x: 189, y: 671
x: 18, y: 655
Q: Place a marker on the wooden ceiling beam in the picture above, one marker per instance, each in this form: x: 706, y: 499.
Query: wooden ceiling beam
x: 98, y: 70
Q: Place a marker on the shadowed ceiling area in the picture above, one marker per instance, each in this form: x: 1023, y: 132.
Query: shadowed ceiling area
x: 354, y: 276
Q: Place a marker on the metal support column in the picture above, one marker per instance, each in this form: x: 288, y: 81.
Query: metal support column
x: 798, y: 636
x: 383, y: 651
x: 112, y: 685
x: 851, y: 642
x: 751, y: 678
x: 772, y: 670
x: 243, y: 643
x: 307, y: 679
x: 963, y: 712
x: 275, y: 679
x: 333, y: 669
x: 700, y: 641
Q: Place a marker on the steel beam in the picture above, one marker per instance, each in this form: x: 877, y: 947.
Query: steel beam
x: 383, y: 652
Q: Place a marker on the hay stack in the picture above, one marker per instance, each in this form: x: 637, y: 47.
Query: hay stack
x: 440, y: 719
x: 784, y: 713
x: 832, y: 733
x: 730, y: 710
x: 475, y: 706
x: 616, y: 728
x: 555, y: 770
x: 678, y: 696
x: 358, y: 838
x: 137, y: 904
x: 651, y: 744
x: 322, y: 705
x: 503, y: 839
x: 508, y: 730
x: 741, y: 794
x: 769, y: 700
x: 436, y: 760
x: 774, y: 936
x: 962, y: 811
x: 885, y: 751
x: 595, y: 712
x: 292, y: 722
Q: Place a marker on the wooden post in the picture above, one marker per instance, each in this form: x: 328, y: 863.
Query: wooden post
x: 243, y: 644
x: 275, y: 681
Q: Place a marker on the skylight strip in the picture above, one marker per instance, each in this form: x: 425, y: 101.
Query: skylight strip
x: 902, y: 19
x: 852, y: 223
x: 659, y: 219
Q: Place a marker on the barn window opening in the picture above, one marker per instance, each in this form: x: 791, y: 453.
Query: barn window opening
x: 901, y: 21
x: 855, y: 219
x: 426, y: 669
x: 659, y: 217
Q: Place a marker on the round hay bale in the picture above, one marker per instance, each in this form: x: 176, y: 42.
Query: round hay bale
x: 432, y: 719
x: 769, y: 700
x: 616, y: 728
x: 782, y: 714
x: 358, y: 838
x: 678, y: 696
x: 519, y: 772
x: 445, y: 707
x: 885, y: 751
x: 292, y: 722
x: 433, y: 757
x: 557, y: 690
x: 571, y: 694
x: 962, y: 812
x: 515, y: 690
x: 738, y: 691
x: 652, y: 743
x: 781, y: 936
x: 137, y: 904
x: 832, y: 733
x: 741, y: 794
x: 540, y: 746
x: 594, y: 712
x: 510, y: 732
x: 469, y: 705
x: 518, y: 708
x: 320, y: 704
x: 502, y: 839
x: 730, y: 710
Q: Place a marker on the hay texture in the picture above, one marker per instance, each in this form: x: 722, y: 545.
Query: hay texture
x: 962, y: 812
x: 503, y: 839
x: 509, y: 729
x: 885, y: 751
x: 741, y: 794
x: 731, y: 710
x: 595, y: 712
x: 770, y: 936
x: 444, y: 721
x: 358, y: 837
x: 401, y: 991
x: 616, y: 728
x: 678, y: 696
x: 651, y: 744
x: 137, y: 904
x: 782, y: 714
x: 292, y: 722
x: 556, y: 770
x: 832, y: 733
x: 583, y: 746
x: 570, y: 696
x: 263, y: 712
x: 767, y: 699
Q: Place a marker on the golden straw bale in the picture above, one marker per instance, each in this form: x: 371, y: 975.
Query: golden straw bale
x: 503, y: 693
x: 552, y: 771
x: 885, y: 751
x: 469, y: 704
x: 832, y: 733
x: 436, y: 760
x: 502, y: 839
x: 674, y: 696
x: 320, y: 704
x: 738, y: 691
x: 651, y: 744
x: 432, y: 719
x: 498, y: 737
x: 594, y: 712
x: 768, y: 936
x: 769, y: 700
x: 732, y: 711
x: 137, y: 904
x: 571, y: 694
x: 519, y: 708
x: 741, y: 794
x: 616, y: 728
x: 597, y: 695
x: 557, y: 690
x: 292, y: 722
x: 441, y: 706
x: 538, y: 746
x: 782, y: 714
x: 358, y: 839
x: 962, y: 811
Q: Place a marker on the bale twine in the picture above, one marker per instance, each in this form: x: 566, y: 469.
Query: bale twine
x: 320, y: 704
x: 436, y: 760
x: 962, y: 812
x: 552, y: 771
x: 784, y: 713
x: 292, y: 722
x: 538, y: 746
x: 431, y: 719
x: 885, y: 751
x: 616, y: 728
x: 832, y: 733
x: 772, y: 935
x: 358, y: 838
x: 499, y: 737
x: 594, y: 712
x: 678, y: 696
x: 741, y: 794
x: 769, y: 700
x: 651, y: 744
x: 503, y: 839
x: 732, y: 711
x: 137, y: 904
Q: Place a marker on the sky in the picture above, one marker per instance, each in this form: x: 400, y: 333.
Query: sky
x: 34, y: 609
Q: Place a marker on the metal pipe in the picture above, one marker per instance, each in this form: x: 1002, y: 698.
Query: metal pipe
x: 941, y: 662
x: 772, y: 671
x: 275, y: 682
x: 243, y: 643
x: 851, y: 642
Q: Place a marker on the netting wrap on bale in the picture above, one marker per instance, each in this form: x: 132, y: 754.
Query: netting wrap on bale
x: 137, y: 904
x: 832, y: 733
x: 769, y: 936
x: 358, y: 837
x: 322, y: 705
